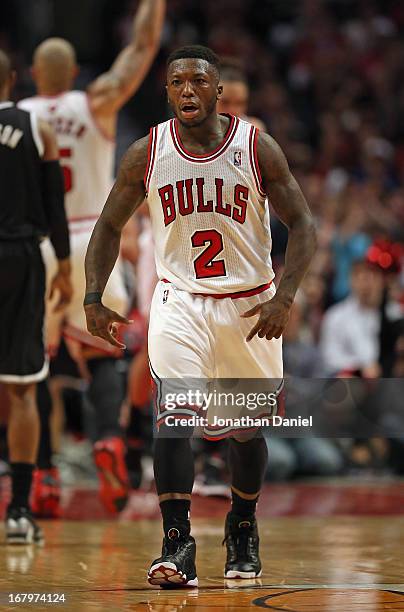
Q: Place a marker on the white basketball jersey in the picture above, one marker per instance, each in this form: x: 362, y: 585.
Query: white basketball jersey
x: 86, y: 155
x: 209, y: 212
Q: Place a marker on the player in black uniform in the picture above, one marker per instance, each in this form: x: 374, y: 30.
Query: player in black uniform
x: 31, y: 206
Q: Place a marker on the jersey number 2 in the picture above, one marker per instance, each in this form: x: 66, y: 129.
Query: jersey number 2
x: 67, y: 170
x: 204, y: 264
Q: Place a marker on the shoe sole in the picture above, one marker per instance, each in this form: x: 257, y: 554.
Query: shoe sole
x: 13, y: 541
x: 19, y: 540
x: 236, y: 574
x: 167, y: 575
x: 24, y: 540
x: 107, y: 469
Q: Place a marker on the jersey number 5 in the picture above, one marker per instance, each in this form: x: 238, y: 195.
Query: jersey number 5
x: 67, y: 171
x: 204, y: 264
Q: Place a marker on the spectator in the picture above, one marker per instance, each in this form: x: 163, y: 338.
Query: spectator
x: 350, y: 330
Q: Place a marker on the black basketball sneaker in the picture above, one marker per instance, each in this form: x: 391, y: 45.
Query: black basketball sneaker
x: 21, y: 527
x: 242, y: 543
x: 176, y: 566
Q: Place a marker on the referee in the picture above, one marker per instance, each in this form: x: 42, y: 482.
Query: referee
x: 31, y: 206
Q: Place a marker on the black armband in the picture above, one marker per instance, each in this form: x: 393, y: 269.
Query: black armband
x: 53, y: 196
x: 92, y: 298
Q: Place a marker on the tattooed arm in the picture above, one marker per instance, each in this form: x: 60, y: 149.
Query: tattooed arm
x: 126, y: 196
x: 292, y: 209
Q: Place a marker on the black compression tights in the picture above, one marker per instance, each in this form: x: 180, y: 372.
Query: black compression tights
x: 173, y: 461
x: 174, y: 474
x: 247, y: 464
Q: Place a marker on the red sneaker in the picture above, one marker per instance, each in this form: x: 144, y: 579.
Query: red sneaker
x: 109, y: 457
x: 45, y: 493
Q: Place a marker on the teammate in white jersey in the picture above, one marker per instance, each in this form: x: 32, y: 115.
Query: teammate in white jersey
x: 85, y: 124
x: 206, y: 177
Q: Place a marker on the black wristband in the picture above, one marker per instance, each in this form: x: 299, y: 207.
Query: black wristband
x: 92, y: 298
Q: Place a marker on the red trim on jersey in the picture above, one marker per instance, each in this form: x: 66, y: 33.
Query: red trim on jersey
x: 76, y: 219
x: 149, y: 146
x: 96, y: 123
x: 254, y: 161
x: 257, y: 166
x: 206, y: 157
x: 235, y: 294
x: 202, y: 155
x: 151, y: 156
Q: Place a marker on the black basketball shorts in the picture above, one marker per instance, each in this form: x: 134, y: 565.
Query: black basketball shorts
x: 22, y: 309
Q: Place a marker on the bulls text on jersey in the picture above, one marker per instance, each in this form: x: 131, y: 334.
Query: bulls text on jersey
x: 180, y: 200
x: 208, y: 212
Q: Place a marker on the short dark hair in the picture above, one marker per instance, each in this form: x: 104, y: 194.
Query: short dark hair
x: 197, y: 52
x: 231, y: 71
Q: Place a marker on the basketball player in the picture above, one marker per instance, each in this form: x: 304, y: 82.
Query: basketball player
x: 236, y: 93
x: 206, y: 177
x: 85, y: 124
x: 234, y: 101
x: 31, y: 205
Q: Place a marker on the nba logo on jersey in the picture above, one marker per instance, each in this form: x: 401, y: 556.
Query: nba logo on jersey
x: 165, y: 295
x: 237, y: 158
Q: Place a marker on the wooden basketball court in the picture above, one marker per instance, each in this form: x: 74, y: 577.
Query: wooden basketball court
x: 311, y: 564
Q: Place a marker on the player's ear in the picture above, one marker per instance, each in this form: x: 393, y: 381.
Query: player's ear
x: 219, y: 91
x: 13, y: 78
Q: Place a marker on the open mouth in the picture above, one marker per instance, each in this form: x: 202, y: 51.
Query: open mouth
x: 189, y: 110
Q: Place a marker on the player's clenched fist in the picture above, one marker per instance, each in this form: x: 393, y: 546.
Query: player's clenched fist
x: 273, y: 317
x: 102, y: 322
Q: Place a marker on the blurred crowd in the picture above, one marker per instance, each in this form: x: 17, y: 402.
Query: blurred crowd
x: 327, y: 80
